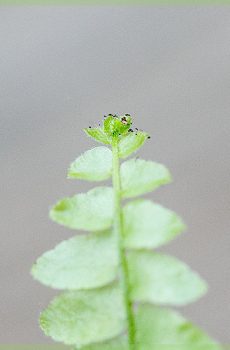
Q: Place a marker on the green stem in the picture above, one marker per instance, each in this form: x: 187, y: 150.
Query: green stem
x: 118, y: 228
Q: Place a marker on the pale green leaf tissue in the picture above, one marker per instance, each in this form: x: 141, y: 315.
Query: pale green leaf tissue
x: 162, y: 279
x: 114, y: 281
x: 91, y: 211
x: 139, y: 176
x: 93, y: 165
x: 160, y: 328
x: 119, y: 343
x: 149, y: 225
x: 81, y: 318
x: 82, y: 262
x: 131, y: 143
x: 163, y: 329
x: 98, y: 134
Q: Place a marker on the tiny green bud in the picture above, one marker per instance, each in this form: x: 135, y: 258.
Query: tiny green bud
x: 115, y: 126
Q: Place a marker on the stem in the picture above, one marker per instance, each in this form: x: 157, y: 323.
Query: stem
x: 119, y: 232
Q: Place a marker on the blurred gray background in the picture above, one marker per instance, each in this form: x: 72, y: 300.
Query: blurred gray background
x: 63, y: 68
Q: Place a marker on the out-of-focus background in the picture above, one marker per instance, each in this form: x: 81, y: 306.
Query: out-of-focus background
x: 63, y: 68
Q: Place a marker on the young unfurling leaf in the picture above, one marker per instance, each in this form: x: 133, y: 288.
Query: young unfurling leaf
x: 115, y: 126
x: 115, y: 284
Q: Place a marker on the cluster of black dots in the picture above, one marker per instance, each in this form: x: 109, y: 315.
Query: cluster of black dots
x: 123, y: 120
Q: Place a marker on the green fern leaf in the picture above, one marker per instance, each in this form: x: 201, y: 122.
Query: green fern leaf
x: 163, y: 279
x: 131, y: 143
x: 99, y: 135
x: 93, y: 165
x: 163, y: 329
x: 113, y: 278
x: 82, y: 262
x: 91, y: 211
x: 139, y: 176
x: 149, y: 225
x: 82, y: 318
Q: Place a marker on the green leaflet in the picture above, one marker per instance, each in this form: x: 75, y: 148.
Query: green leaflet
x: 163, y: 279
x: 93, y: 165
x: 119, y: 343
x: 98, y: 134
x: 131, y: 143
x: 149, y: 225
x: 111, y: 273
x: 81, y: 318
x: 82, y: 262
x: 163, y: 329
x: 139, y: 176
x: 92, y: 211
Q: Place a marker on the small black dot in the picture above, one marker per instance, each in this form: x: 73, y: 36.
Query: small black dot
x: 90, y: 127
x: 127, y: 115
x: 149, y: 137
x: 136, y: 129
